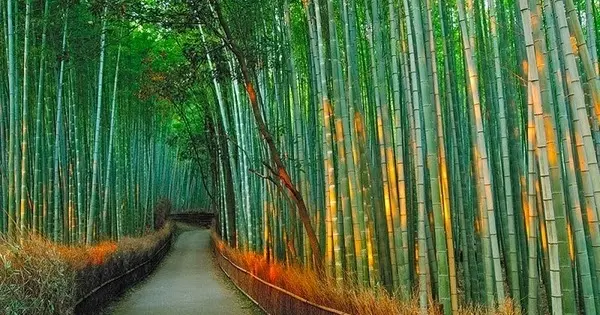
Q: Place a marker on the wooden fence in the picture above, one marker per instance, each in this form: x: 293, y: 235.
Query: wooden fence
x: 270, y: 298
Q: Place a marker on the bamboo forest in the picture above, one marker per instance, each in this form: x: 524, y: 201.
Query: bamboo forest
x: 441, y: 151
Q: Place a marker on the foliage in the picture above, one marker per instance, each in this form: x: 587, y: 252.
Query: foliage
x: 348, y: 298
x: 161, y: 213
x: 34, y: 278
x: 40, y: 277
x: 448, y: 147
x: 86, y: 121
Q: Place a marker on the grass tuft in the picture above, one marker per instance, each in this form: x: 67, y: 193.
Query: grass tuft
x: 40, y: 277
x: 348, y: 298
x: 34, y: 278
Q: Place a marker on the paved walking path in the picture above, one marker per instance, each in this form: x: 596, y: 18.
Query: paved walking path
x: 186, y: 282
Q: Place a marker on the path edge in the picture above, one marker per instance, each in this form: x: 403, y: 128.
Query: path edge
x: 273, y: 300
x: 95, y: 299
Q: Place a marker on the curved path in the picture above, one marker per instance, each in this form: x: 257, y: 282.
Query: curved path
x: 186, y: 282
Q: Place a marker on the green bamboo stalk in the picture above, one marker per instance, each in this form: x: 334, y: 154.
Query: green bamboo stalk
x: 57, y: 232
x: 95, y: 158
x: 37, y: 175
x: 109, y: 157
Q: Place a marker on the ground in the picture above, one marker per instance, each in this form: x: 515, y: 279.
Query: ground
x: 186, y: 282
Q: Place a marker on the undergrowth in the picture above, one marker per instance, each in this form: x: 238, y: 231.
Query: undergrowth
x: 348, y: 298
x: 34, y: 278
x: 40, y: 277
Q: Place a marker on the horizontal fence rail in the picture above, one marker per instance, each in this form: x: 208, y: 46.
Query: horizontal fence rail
x: 203, y: 219
x: 99, y: 296
x: 270, y: 298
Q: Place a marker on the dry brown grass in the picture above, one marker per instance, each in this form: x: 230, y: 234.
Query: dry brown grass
x: 34, y: 279
x: 80, y: 256
x: 41, y: 277
x: 144, y: 244
x: 347, y: 298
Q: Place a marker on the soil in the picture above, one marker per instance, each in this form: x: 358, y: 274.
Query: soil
x: 186, y: 282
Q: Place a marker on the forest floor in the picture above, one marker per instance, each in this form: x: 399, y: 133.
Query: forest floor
x: 188, y: 281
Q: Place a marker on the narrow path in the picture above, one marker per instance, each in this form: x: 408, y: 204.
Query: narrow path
x: 186, y: 282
